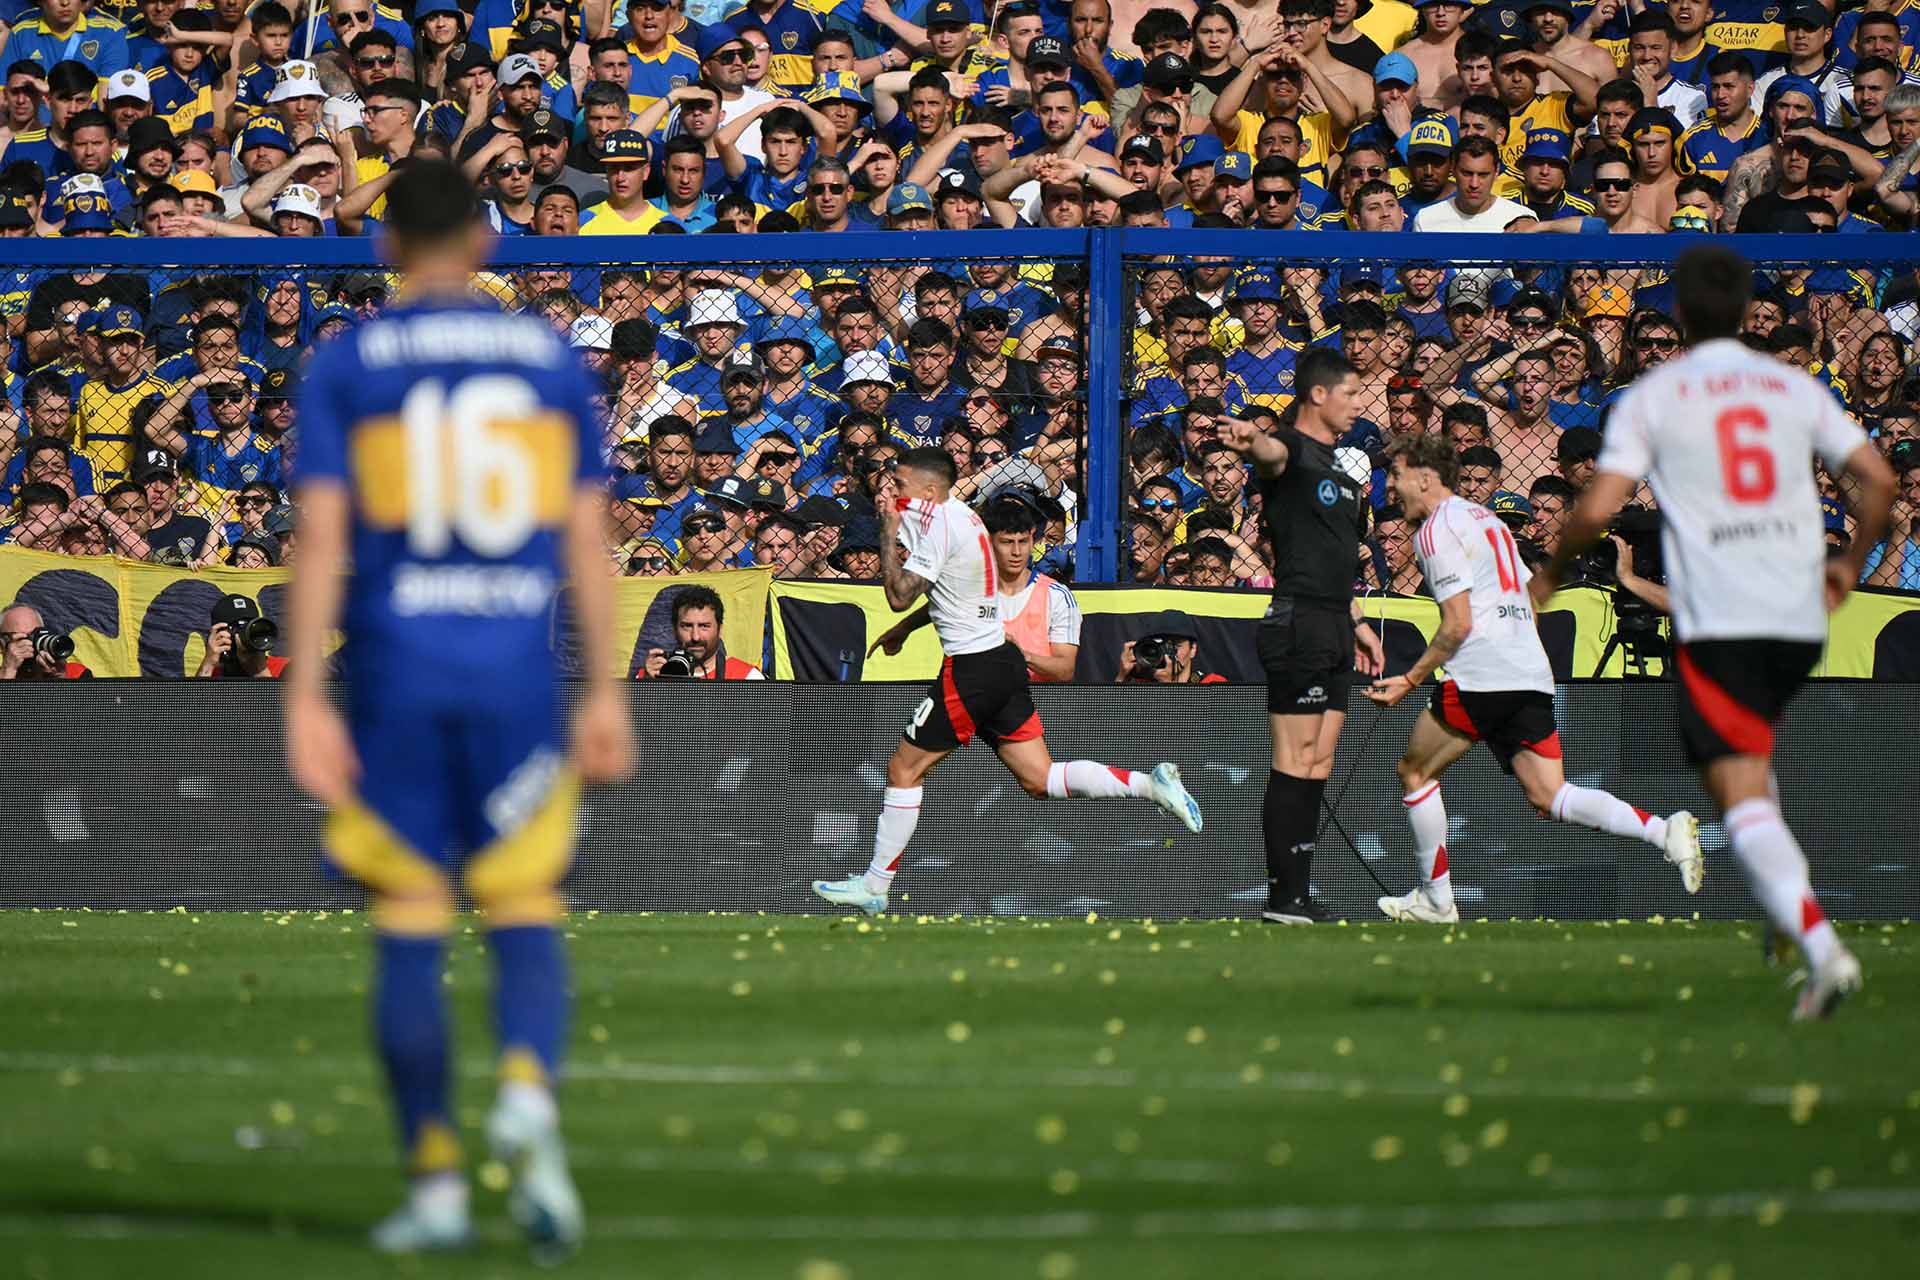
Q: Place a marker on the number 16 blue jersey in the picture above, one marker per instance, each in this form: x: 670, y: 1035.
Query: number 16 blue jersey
x: 460, y: 433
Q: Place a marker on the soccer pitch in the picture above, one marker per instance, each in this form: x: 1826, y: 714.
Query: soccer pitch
x: 810, y: 1098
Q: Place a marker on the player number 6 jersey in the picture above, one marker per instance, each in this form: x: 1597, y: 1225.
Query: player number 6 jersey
x: 1464, y: 547
x: 947, y: 544
x: 1727, y: 438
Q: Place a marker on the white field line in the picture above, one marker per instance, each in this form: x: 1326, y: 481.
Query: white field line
x: 1507, y: 1215
x: 724, y: 1075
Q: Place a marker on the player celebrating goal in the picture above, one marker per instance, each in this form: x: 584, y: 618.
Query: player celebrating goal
x: 1499, y: 686
x: 1727, y: 439
x: 982, y: 685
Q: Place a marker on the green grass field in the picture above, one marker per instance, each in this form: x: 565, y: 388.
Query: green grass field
x: 810, y: 1099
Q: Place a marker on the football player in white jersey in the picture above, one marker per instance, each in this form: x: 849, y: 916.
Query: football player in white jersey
x: 982, y: 685
x: 1499, y: 685
x: 1727, y: 439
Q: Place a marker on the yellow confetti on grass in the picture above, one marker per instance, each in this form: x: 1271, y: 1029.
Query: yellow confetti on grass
x: 741, y: 988
x: 1540, y: 1166
x: 1801, y: 1100
x: 1386, y: 1147
x: 1058, y: 1266
x: 1343, y: 1047
x: 495, y: 1176
x: 1050, y: 1130
x: 1494, y: 1135
x: 1063, y: 1182
x: 281, y: 1112
x: 1196, y: 1035
x: 1456, y: 1105
x: 1115, y: 1026
x: 959, y: 1032
x: 821, y: 1269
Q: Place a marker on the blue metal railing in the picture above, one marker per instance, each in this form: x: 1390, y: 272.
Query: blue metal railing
x: 1105, y: 252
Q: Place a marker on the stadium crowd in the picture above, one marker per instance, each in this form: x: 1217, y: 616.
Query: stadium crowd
x: 752, y: 407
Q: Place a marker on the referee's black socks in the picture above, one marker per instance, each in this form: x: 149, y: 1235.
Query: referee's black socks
x: 1290, y: 820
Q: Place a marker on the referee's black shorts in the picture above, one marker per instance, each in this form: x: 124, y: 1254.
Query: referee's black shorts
x: 1306, y: 649
x: 984, y: 693
x: 1733, y: 692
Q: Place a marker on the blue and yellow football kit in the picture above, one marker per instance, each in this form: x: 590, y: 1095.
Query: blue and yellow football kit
x: 460, y: 435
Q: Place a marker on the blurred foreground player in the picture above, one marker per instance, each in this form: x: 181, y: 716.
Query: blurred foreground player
x: 1727, y: 438
x: 982, y: 685
x: 449, y: 456
x: 1498, y: 690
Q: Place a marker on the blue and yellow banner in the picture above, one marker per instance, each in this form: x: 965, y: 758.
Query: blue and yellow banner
x: 129, y: 618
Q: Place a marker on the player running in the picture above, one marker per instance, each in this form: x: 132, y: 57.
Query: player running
x: 1498, y: 690
x: 1727, y: 439
x: 449, y: 456
x: 982, y: 685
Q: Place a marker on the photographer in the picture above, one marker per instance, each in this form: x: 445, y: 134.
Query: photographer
x: 30, y: 651
x: 240, y: 643
x: 1165, y: 653
x: 1648, y: 591
x: 697, y: 615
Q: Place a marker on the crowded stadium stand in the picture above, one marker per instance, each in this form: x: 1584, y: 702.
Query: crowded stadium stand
x: 1061, y: 241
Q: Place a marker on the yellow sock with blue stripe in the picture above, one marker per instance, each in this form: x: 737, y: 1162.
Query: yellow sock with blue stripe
x: 410, y: 1022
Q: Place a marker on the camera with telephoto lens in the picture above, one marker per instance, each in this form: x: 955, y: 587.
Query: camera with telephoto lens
x: 1150, y: 653
x: 677, y: 665
x: 49, y: 643
x: 255, y: 635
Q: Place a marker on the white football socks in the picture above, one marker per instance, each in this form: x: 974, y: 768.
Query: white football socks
x: 899, y: 815
x: 1427, y: 815
x: 1778, y: 872
x: 1089, y: 779
x: 1603, y: 811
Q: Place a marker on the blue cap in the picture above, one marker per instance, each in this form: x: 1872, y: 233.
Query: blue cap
x: 1548, y: 144
x: 715, y: 38
x: 1508, y: 503
x: 118, y: 320
x: 1234, y: 164
x: 427, y: 8
x: 1363, y: 273
x: 1830, y: 280
x: 89, y: 321
x: 334, y: 311
x: 732, y: 491
x: 1255, y: 286
x: 908, y: 197
x: 1833, y: 515
x: 265, y: 131
x: 1431, y: 135
x: 625, y: 146
x: 786, y: 329
x: 627, y: 486
x: 1200, y: 149
x: 1502, y: 292
x: 716, y: 437
x: 1396, y: 67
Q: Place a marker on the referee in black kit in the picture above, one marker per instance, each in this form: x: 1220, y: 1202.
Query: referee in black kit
x: 1312, y: 637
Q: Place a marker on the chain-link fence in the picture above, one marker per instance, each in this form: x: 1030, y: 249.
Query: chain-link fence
x: 151, y: 386
x: 154, y: 411
x: 1516, y: 359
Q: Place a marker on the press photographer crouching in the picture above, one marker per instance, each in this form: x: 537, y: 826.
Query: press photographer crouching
x: 33, y: 651
x: 1165, y: 652
x: 697, y: 615
x: 240, y: 643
